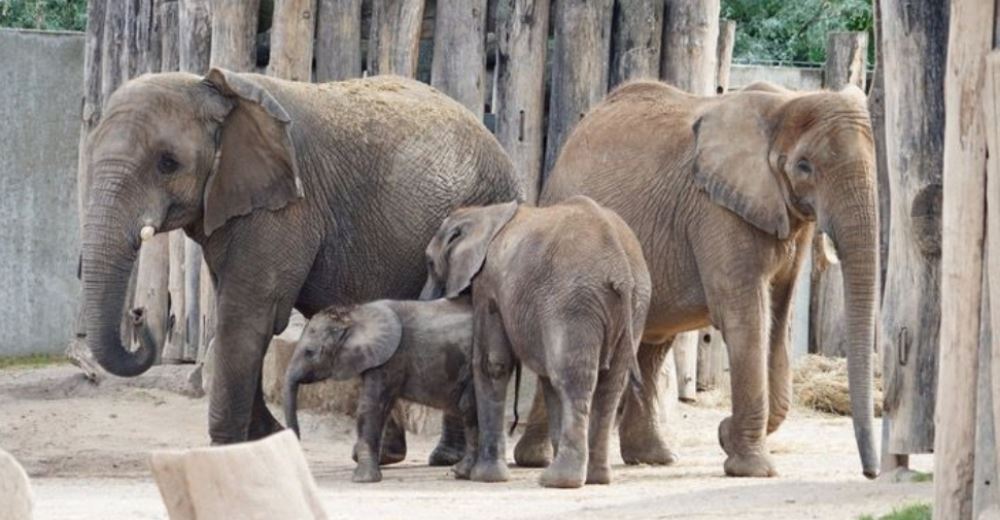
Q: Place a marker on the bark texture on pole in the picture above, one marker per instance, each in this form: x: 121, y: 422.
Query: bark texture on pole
x: 113, y: 48
x: 292, y: 33
x: 969, y: 40
x: 170, y: 31
x: 459, y: 65
x: 522, y: 41
x: 985, y: 492
x: 195, y: 19
x: 915, y: 54
x: 724, y: 51
x: 690, y: 36
x: 846, y: 57
x: 91, y: 113
x: 876, y: 110
x: 234, y: 34
x: 394, y: 39
x: 637, y: 34
x: 579, y: 68
x: 991, y: 111
x: 338, y: 40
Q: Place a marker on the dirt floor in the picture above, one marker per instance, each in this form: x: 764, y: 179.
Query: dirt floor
x: 86, y: 446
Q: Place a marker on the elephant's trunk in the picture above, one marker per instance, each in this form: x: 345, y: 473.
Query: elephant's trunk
x: 109, y: 249
x: 291, y: 403
x: 853, y: 225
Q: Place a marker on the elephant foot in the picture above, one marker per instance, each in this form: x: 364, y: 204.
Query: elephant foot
x: 649, y: 448
x: 563, y: 473
x: 365, y: 474
x: 463, y: 470
x: 446, y: 454
x: 387, y: 457
x: 599, y: 474
x: 724, y: 428
x: 492, y: 471
x: 533, y: 450
x: 263, y: 428
x: 750, y: 465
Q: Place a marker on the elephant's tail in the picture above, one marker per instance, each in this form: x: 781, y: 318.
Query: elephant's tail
x: 627, y: 342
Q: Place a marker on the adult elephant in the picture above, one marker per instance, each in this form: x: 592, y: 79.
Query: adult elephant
x: 723, y: 193
x: 301, y: 195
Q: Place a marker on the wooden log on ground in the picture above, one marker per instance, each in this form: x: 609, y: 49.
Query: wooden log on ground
x: 846, y: 60
x: 637, y: 34
x: 234, y: 34
x: 914, y: 49
x: 459, y: 65
x: 690, y: 36
x: 579, y: 68
x: 195, y: 20
x: 15, y: 489
x: 394, y: 41
x: 724, y: 51
x: 338, y: 40
x: 292, y: 33
x: 522, y: 43
x: 970, y: 38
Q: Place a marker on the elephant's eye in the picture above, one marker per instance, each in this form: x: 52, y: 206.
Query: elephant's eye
x: 455, y: 233
x: 804, y: 167
x: 167, y: 164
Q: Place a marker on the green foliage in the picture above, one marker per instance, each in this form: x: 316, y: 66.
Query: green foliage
x: 32, y: 361
x: 66, y: 15
x: 796, y: 31
x: 914, y: 512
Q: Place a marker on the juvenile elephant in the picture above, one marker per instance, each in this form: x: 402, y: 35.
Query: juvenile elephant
x: 418, y: 351
x: 301, y: 195
x: 563, y: 290
x: 723, y: 193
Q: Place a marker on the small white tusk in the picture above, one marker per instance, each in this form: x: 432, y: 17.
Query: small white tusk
x: 147, y: 233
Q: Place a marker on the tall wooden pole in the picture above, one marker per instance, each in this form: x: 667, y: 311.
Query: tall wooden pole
x: 991, y: 112
x: 846, y: 57
x: 459, y: 66
x: 394, y: 40
x: 338, y: 40
x: 234, y: 34
x: 636, y: 39
x: 195, y: 20
x: 292, y: 33
x: 724, y: 53
x: 522, y: 41
x: 969, y: 40
x: 914, y: 48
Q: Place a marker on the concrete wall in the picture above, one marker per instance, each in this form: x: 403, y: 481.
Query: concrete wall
x: 789, y: 77
x: 41, y: 75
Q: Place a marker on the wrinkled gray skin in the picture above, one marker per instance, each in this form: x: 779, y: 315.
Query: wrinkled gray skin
x: 301, y: 195
x: 418, y: 351
x: 724, y: 193
x: 563, y: 290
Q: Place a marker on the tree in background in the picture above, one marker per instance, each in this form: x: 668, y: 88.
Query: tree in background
x: 779, y: 30
x: 68, y: 15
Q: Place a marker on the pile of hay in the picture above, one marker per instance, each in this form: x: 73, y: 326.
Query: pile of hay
x: 820, y: 383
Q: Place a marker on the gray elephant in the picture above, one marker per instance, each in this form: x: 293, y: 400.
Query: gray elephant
x: 563, y: 290
x: 301, y: 196
x: 418, y: 351
x: 724, y: 194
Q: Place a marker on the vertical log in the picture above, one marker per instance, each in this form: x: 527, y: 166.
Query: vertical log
x: 713, y: 361
x: 192, y: 303
x: 394, y: 39
x: 195, y: 20
x: 459, y: 66
x: 112, y: 47
x: 338, y: 40
x: 292, y: 32
x: 637, y: 34
x: 876, y: 110
x: 724, y: 50
x: 985, y: 492
x: 991, y: 111
x: 579, y: 68
x: 234, y: 34
x: 969, y: 40
x: 690, y: 35
x: 148, y: 37
x: 915, y: 53
x: 685, y: 349
x: 170, y: 35
x: 206, y: 305
x: 846, y: 57
x: 522, y: 41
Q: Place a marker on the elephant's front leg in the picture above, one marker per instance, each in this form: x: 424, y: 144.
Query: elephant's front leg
x: 779, y: 369
x: 373, y: 411
x: 746, y: 329
x: 451, y: 445
x: 262, y: 423
x: 463, y: 469
x: 643, y: 440
x: 492, y: 361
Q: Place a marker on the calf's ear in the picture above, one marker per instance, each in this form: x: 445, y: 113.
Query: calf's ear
x: 373, y: 338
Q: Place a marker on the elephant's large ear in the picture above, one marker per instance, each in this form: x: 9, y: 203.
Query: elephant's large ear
x: 480, y: 226
x: 256, y: 166
x: 732, y: 143
x: 374, y: 335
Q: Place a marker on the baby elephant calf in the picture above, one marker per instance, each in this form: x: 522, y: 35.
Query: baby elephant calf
x: 418, y: 351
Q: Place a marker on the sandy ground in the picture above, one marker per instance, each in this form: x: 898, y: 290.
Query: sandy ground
x: 85, y: 448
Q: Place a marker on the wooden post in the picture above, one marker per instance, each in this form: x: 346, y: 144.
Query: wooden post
x: 394, y: 39
x: 637, y: 34
x: 991, y: 111
x: 579, y: 68
x: 915, y: 53
x: 234, y: 34
x: 338, y: 40
x: 985, y: 492
x: 112, y: 47
x: 91, y: 113
x: 522, y: 41
x: 846, y: 57
x: 876, y: 110
x: 192, y: 303
x: 195, y: 20
x: 459, y: 66
x: 170, y: 31
x: 206, y: 306
x: 713, y: 361
x: 969, y: 40
x: 724, y: 49
x: 690, y: 35
x: 292, y: 32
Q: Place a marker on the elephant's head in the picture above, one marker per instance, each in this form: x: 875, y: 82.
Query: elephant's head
x: 174, y: 150
x: 457, y: 251
x: 778, y: 158
x: 340, y: 343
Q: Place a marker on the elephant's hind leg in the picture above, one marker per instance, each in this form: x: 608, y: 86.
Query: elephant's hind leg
x: 451, y: 445
x: 608, y: 394
x: 643, y: 440
x: 534, y: 450
x: 779, y: 370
